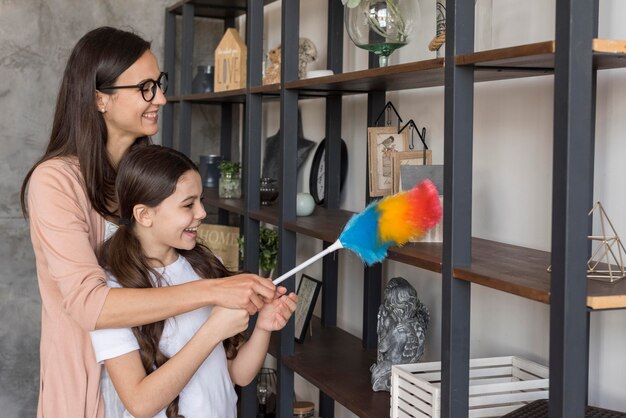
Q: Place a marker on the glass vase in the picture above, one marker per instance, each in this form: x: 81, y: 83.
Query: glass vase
x: 381, y: 26
x: 229, y: 186
x: 203, y: 81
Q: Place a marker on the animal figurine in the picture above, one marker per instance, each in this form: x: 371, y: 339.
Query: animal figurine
x: 307, y: 53
x: 272, y: 70
x: 402, y: 324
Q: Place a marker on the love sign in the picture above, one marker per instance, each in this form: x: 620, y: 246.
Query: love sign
x: 230, y: 62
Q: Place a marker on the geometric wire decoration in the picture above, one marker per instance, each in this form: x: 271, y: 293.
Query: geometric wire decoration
x: 607, y: 261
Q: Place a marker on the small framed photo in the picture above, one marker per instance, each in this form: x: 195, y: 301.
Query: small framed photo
x: 403, y: 163
x: 308, y: 290
x: 383, y: 143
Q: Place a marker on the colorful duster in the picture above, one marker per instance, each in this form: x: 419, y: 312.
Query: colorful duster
x: 393, y: 220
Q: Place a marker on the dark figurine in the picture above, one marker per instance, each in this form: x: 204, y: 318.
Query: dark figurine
x: 401, y: 328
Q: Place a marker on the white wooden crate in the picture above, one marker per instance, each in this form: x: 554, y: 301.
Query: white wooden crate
x: 497, y: 386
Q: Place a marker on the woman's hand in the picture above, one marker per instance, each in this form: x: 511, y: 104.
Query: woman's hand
x: 242, y: 291
x: 275, y: 314
x: 226, y: 322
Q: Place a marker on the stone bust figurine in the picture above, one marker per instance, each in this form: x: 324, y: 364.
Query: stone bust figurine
x: 401, y: 328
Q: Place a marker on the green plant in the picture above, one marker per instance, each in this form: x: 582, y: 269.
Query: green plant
x: 229, y: 167
x: 268, y: 249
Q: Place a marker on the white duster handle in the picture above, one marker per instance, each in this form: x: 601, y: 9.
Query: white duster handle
x: 335, y: 246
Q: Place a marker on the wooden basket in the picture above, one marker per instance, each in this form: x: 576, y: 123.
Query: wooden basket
x: 497, y: 386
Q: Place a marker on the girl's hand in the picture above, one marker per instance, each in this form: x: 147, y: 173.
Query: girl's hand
x: 242, y: 291
x: 274, y: 315
x: 226, y: 322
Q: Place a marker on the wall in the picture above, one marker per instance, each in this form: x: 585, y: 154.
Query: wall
x: 512, y: 183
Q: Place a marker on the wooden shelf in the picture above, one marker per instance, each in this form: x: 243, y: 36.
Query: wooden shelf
x: 523, y: 272
x: 508, y: 268
x: 219, y: 9
x: 212, y: 198
x: 230, y: 96
x: 335, y: 361
x: 540, y: 56
x: 267, y: 214
x: 324, y: 224
x: 266, y: 89
x: 426, y: 255
x: 418, y: 74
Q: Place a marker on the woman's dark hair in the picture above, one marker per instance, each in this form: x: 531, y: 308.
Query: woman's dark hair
x: 147, y: 176
x: 78, y: 129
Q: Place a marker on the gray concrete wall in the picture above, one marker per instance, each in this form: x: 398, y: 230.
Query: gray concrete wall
x: 35, y: 40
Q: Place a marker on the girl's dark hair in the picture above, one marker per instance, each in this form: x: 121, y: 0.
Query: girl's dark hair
x: 78, y: 129
x: 148, y: 176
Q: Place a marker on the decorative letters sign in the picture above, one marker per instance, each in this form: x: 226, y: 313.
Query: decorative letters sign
x: 222, y: 240
x: 230, y: 62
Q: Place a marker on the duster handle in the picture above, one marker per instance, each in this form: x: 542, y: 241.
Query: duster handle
x: 335, y: 246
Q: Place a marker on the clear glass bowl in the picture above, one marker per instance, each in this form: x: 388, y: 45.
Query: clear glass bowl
x: 381, y: 26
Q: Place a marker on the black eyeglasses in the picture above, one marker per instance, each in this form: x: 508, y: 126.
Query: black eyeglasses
x: 147, y: 88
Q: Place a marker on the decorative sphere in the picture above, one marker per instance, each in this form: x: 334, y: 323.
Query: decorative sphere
x: 304, y: 204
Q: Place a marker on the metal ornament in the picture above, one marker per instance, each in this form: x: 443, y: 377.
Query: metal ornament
x: 607, y: 261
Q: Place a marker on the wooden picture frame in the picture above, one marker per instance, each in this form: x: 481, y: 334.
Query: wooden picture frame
x: 412, y: 158
x: 382, y: 144
x: 308, y: 291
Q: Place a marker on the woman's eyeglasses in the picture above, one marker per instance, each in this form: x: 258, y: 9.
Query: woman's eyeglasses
x: 147, y: 88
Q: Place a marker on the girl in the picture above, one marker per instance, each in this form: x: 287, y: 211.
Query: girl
x: 177, y: 367
x: 108, y: 102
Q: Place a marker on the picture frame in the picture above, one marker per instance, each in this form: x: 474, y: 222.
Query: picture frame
x: 382, y: 144
x: 407, y: 158
x: 308, y: 291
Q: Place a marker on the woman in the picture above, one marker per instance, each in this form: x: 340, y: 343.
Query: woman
x: 108, y: 103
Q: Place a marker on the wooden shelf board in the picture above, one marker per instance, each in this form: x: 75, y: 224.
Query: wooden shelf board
x: 523, y: 272
x: 230, y: 96
x: 173, y: 99
x: 608, y: 53
x: 266, y: 89
x: 267, y: 214
x: 509, y: 268
x: 218, y: 9
x: 427, y: 73
x: 212, y: 198
x: 426, y: 255
x: 324, y: 224
x: 603, y: 295
x: 335, y: 361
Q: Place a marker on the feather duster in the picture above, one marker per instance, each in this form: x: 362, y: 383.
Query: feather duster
x: 393, y: 220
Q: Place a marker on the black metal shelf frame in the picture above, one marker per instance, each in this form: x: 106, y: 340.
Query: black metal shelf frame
x: 574, y: 104
x: 574, y: 116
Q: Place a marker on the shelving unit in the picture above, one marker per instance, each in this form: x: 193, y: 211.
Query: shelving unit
x: 337, y: 362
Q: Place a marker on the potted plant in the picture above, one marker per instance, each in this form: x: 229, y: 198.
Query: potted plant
x: 230, y: 180
x: 268, y: 250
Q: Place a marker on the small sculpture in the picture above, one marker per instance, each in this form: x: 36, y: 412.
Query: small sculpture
x: 272, y: 71
x: 401, y: 328
x: 307, y: 53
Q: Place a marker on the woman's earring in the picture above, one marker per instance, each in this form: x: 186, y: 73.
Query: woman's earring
x: 103, y: 109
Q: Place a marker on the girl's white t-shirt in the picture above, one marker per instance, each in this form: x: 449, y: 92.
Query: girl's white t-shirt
x: 210, y: 392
